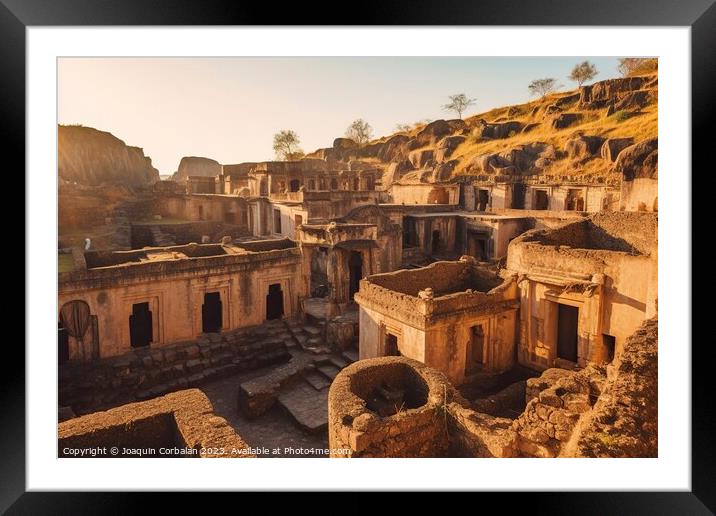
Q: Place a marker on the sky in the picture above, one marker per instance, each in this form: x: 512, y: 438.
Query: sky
x: 228, y: 109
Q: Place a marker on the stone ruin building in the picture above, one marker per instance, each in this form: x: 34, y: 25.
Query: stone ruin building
x: 497, y: 312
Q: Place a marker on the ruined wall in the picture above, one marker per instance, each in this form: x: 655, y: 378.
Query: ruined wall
x: 425, y: 194
x: 216, y: 208
x: 145, y: 373
x: 175, y: 299
x: 599, y: 411
x: 182, y: 419
x: 641, y: 194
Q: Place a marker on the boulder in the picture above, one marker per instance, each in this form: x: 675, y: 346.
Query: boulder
x: 395, y: 171
x: 529, y: 127
x: 443, y: 171
x: 433, y: 132
x: 197, y: 166
x: 600, y: 94
x: 344, y: 143
x: 565, y: 120
x: 421, y: 158
x: 613, y: 146
x: 582, y: 147
x: 634, y: 100
x: 639, y: 160
x: 446, y: 146
x: 497, y: 130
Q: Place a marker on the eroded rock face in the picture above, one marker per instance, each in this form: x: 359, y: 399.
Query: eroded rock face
x: 197, y: 166
x: 583, y: 146
x: 601, y: 93
x: 396, y: 170
x: 91, y: 157
x: 433, y: 132
x: 565, y: 120
x: 613, y: 146
x: 639, y: 160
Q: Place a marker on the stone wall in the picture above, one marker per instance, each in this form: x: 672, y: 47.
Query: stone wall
x: 417, y: 429
x: 180, y: 424
x: 145, y: 373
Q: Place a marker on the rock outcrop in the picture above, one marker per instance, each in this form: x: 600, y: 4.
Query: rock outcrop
x: 196, y: 166
x: 91, y: 157
x: 640, y: 160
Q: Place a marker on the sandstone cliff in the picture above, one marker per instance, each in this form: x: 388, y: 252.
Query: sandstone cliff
x: 196, y: 166
x: 91, y: 157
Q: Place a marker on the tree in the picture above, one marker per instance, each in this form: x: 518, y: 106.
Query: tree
x: 359, y: 131
x: 459, y: 103
x: 403, y: 128
x: 629, y: 66
x: 583, y: 72
x: 285, y: 144
x: 542, y: 87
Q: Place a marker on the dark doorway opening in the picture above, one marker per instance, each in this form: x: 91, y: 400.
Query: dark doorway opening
x: 63, y: 344
x: 475, y: 353
x: 610, y: 345
x: 483, y: 197
x: 294, y: 185
x: 334, y: 184
x: 567, y: 317
x: 356, y: 184
x: 391, y: 345
x: 211, y: 317
x: 410, y: 234
x: 274, y: 302
x: 435, y: 246
x: 263, y: 187
x: 518, y: 196
x: 319, y: 276
x: 355, y: 268
x: 575, y: 200
x: 541, y: 200
x: 276, y: 221
x: 140, y: 325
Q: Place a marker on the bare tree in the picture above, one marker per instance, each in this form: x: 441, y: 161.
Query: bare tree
x: 285, y: 144
x: 359, y: 131
x: 542, y: 87
x: 583, y: 72
x: 403, y: 128
x: 637, y: 65
x: 459, y: 103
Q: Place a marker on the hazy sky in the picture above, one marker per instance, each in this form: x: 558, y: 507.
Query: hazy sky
x: 228, y: 109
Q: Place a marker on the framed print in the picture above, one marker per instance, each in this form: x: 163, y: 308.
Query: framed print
x: 428, y: 244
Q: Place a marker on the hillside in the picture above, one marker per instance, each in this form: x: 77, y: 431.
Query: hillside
x: 575, y: 133
x: 91, y: 157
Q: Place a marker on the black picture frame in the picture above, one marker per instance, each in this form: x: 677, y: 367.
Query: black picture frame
x: 700, y: 15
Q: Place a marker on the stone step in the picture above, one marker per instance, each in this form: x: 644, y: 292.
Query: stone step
x: 328, y: 370
x: 350, y: 354
x: 339, y: 362
x: 317, y: 380
x: 312, y: 330
x: 314, y: 342
x: 308, y: 408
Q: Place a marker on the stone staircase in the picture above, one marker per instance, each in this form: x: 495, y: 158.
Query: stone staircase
x: 310, y: 336
x: 300, y: 387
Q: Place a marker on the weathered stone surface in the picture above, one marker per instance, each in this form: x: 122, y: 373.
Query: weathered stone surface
x: 640, y: 160
x: 613, y: 146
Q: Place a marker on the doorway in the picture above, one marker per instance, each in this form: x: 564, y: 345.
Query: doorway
x: 475, y: 352
x: 518, y: 196
x: 483, y: 196
x: 211, y: 317
x: 541, y: 200
x: 294, y: 185
x: 567, y: 319
x: 391, y: 345
x: 63, y: 344
x: 274, y: 302
x: 355, y: 268
x: 140, y: 325
x: 435, y: 245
